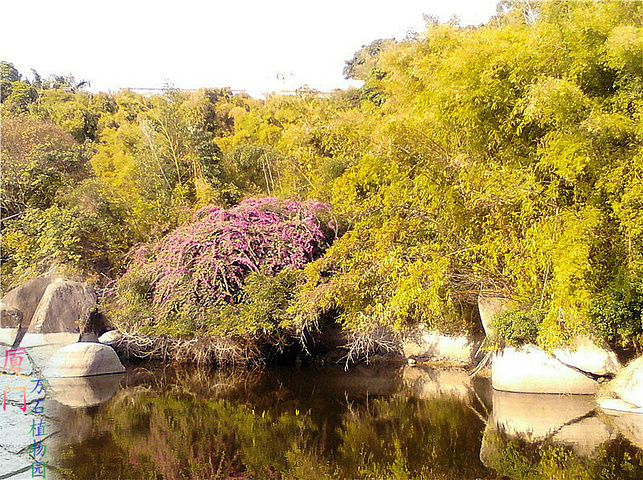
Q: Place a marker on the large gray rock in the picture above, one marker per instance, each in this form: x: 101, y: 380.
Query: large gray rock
x: 574, y: 370
x: 42, y: 346
x: 12, y: 465
x: 16, y: 436
x: 62, y: 305
x: 587, y: 356
x: 83, y: 360
x: 27, y: 296
x: 8, y: 336
x: 625, y: 392
x: 110, y: 338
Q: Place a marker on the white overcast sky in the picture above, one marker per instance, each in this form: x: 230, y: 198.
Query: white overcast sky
x: 243, y: 44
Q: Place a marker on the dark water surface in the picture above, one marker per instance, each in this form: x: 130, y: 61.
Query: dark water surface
x: 375, y: 422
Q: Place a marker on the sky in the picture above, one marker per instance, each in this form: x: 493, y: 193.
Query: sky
x: 252, y: 45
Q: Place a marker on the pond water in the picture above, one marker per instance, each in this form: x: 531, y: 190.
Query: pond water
x: 371, y: 422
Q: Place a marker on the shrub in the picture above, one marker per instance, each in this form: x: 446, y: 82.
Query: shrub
x: 81, y: 242
x: 517, y: 327
x: 263, y: 304
x: 617, y: 318
x: 193, y: 273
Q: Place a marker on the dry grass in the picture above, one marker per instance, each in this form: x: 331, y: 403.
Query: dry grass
x: 219, y: 351
x: 251, y: 351
x: 374, y: 341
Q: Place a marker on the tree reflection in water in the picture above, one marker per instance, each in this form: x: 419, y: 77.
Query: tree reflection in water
x: 367, y: 423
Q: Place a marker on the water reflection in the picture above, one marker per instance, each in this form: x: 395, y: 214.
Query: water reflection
x: 561, y: 418
x: 326, y: 423
x: 80, y: 392
x: 432, y: 383
x: 559, y: 436
x: 629, y: 425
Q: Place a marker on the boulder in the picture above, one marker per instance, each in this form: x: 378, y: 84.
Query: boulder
x: 8, y: 336
x: 62, y: 305
x: 83, y: 360
x: 110, y: 338
x: 42, y: 346
x: 433, y: 345
x: 12, y: 465
x: 489, y: 306
x: 48, y: 340
x: 16, y: 437
x: 529, y: 369
x: 625, y: 392
x: 27, y: 296
x: 585, y: 355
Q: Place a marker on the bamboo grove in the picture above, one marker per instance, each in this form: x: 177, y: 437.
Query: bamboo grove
x: 504, y: 159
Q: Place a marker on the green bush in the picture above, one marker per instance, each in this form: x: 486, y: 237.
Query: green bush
x: 618, y: 318
x: 264, y: 304
x: 517, y: 327
x: 84, y: 242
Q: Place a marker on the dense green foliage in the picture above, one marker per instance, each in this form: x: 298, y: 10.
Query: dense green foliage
x: 125, y: 166
x: 518, y: 327
x: 505, y: 158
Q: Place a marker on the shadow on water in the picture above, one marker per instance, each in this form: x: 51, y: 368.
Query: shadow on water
x: 369, y: 422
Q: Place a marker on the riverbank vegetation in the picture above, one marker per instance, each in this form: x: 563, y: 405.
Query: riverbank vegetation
x: 504, y: 159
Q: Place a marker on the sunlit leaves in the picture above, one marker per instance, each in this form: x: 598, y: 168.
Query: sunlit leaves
x: 39, y: 162
x: 625, y: 49
x: 556, y: 102
x: 504, y: 158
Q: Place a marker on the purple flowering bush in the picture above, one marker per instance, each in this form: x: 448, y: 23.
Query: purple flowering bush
x: 193, y: 279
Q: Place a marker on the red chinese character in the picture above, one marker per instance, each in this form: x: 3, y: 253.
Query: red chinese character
x: 14, y: 358
x: 24, y: 397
